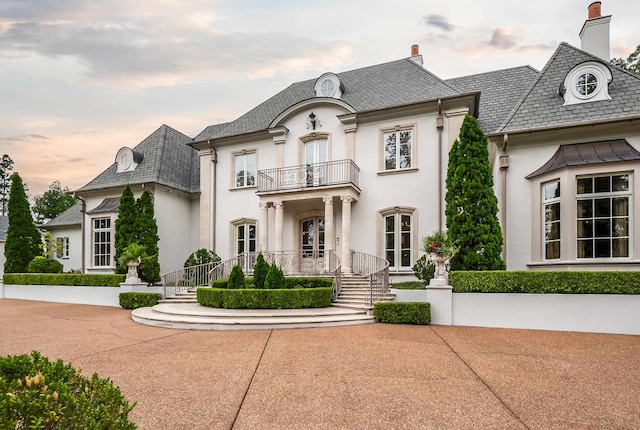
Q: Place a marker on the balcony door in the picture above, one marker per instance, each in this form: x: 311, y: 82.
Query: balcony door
x: 312, y: 237
x: 315, y: 158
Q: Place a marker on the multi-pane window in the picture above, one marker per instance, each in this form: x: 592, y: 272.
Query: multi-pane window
x: 397, y: 149
x: 102, y: 242
x: 245, y: 169
x: 551, y: 209
x: 397, y: 240
x: 62, y: 247
x: 245, y: 238
x: 602, y: 210
x: 312, y: 237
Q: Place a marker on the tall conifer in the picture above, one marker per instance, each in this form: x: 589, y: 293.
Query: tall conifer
x: 23, y: 239
x: 125, y: 225
x: 147, y: 235
x: 472, y: 206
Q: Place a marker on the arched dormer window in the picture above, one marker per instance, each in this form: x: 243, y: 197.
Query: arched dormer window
x: 128, y: 159
x: 329, y: 85
x: 587, y: 82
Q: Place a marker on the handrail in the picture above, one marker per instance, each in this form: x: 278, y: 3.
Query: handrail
x: 376, y: 269
x: 335, y: 172
x: 188, y: 277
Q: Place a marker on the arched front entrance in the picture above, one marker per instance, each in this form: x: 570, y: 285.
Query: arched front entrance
x: 312, y: 232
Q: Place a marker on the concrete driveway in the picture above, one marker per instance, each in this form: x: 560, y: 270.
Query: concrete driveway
x: 373, y: 376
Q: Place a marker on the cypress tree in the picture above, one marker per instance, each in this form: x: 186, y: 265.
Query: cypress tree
x: 471, y: 205
x: 23, y: 239
x: 236, y: 278
x: 260, y: 271
x: 146, y: 229
x: 125, y: 225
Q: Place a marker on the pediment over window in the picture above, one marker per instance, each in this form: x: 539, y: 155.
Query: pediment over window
x: 580, y: 154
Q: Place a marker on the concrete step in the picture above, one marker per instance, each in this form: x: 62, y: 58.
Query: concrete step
x: 194, y: 316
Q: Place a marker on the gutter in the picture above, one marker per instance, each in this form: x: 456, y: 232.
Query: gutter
x: 504, y: 166
x: 83, y: 210
x: 212, y: 201
x: 440, y: 127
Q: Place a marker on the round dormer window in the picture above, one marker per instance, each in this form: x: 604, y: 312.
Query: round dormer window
x: 327, y: 87
x: 586, y: 84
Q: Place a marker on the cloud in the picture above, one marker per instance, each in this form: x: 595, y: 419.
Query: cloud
x: 437, y: 21
x: 502, y: 39
x: 25, y: 138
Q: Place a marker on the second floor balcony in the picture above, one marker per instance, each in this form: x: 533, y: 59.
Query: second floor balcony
x: 327, y: 174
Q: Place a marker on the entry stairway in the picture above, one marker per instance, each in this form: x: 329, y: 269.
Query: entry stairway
x: 182, y: 311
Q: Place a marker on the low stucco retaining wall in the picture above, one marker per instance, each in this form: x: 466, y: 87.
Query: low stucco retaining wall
x: 101, y: 296
x: 598, y: 313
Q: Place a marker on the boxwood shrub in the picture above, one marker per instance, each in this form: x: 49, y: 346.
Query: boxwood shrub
x: 73, y: 279
x: 135, y: 300
x: 42, y: 264
x: 402, y: 312
x: 289, y: 282
x: 549, y: 282
x: 252, y: 298
x: 36, y: 393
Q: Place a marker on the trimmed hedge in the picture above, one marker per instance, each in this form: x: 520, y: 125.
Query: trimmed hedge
x: 402, y: 312
x: 546, y: 282
x: 73, y: 279
x: 410, y: 285
x: 42, y: 264
x: 135, y: 300
x: 36, y: 393
x: 289, y: 283
x: 295, y: 298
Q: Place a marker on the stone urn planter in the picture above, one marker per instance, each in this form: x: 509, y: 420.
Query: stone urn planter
x: 440, y: 260
x: 131, y: 256
x: 132, y: 272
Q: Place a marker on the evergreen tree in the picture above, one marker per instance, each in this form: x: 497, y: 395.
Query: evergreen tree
x: 202, y: 256
x: 6, y: 165
x: 125, y: 226
x: 236, y: 278
x: 260, y: 271
x: 275, y: 278
x: 146, y: 229
x: 631, y: 63
x: 52, y: 202
x: 471, y: 205
x: 23, y: 239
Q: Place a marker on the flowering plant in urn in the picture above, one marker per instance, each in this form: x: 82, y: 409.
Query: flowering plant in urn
x: 440, y: 250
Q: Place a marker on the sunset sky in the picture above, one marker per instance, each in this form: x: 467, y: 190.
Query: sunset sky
x: 80, y: 79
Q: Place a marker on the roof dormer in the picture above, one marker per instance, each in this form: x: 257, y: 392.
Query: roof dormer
x: 329, y: 85
x: 128, y: 159
x: 586, y: 82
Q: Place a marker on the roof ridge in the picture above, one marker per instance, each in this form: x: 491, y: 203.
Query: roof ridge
x: 525, y: 66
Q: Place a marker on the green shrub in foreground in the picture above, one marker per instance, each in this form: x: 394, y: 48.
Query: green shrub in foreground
x: 38, y: 394
x: 135, y: 300
x: 295, y: 298
x: 73, y: 279
x: 402, y: 312
x: 546, y: 282
x: 42, y: 264
x: 289, y: 282
x: 236, y: 278
x: 409, y: 285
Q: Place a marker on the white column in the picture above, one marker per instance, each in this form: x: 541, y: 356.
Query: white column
x: 329, y: 229
x: 264, y: 228
x: 279, y: 225
x: 346, y: 233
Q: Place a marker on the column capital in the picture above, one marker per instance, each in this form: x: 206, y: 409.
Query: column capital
x: 327, y: 200
x: 346, y: 199
x: 263, y: 205
x: 278, y: 205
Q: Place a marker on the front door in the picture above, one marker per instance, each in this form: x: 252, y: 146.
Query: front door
x: 315, y: 158
x: 312, y: 237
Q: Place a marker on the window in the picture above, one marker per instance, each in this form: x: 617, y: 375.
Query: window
x: 245, y: 169
x: 315, y: 159
x: 245, y: 237
x: 397, y: 149
x: 327, y: 87
x: 102, y: 242
x: 62, y: 247
x: 602, y: 210
x: 551, y: 216
x: 586, y: 84
x: 398, y: 240
x: 312, y: 237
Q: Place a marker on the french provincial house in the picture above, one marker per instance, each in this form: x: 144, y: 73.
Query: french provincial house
x: 357, y: 160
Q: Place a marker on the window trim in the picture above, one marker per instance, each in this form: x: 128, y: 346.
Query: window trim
x: 62, y: 244
x: 244, y: 152
x: 381, y: 234
x: 111, y: 232
x: 233, y: 234
x: 544, y: 203
x: 382, y: 170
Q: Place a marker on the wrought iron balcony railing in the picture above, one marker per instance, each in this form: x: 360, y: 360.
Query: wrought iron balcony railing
x: 330, y: 173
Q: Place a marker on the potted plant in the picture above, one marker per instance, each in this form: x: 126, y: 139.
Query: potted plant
x: 440, y: 250
x: 132, y: 256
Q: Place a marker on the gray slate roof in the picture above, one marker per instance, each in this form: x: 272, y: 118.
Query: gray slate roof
x: 375, y: 87
x: 500, y: 91
x: 542, y: 106
x: 167, y: 161
x: 4, y: 224
x: 72, y: 216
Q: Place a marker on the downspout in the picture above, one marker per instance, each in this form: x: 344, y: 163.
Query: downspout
x: 504, y: 166
x: 212, y: 201
x: 440, y: 127
x: 83, y: 210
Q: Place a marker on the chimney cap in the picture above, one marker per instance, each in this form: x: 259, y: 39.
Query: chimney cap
x: 595, y: 10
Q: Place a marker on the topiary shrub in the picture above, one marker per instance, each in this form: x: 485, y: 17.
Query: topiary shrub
x: 275, y: 278
x: 260, y: 271
x: 44, y: 265
x: 402, y: 312
x: 236, y: 278
x: 135, y: 300
x: 202, y: 256
x: 38, y: 394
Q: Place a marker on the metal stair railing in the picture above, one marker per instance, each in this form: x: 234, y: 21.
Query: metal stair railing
x: 376, y: 269
x: 188, y: 277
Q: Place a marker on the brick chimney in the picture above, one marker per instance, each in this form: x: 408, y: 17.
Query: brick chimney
x: 415, y: 55
x: 594, y: 36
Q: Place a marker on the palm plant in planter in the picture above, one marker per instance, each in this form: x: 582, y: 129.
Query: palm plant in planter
x: 132, y: 256
x: 440, y: 250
